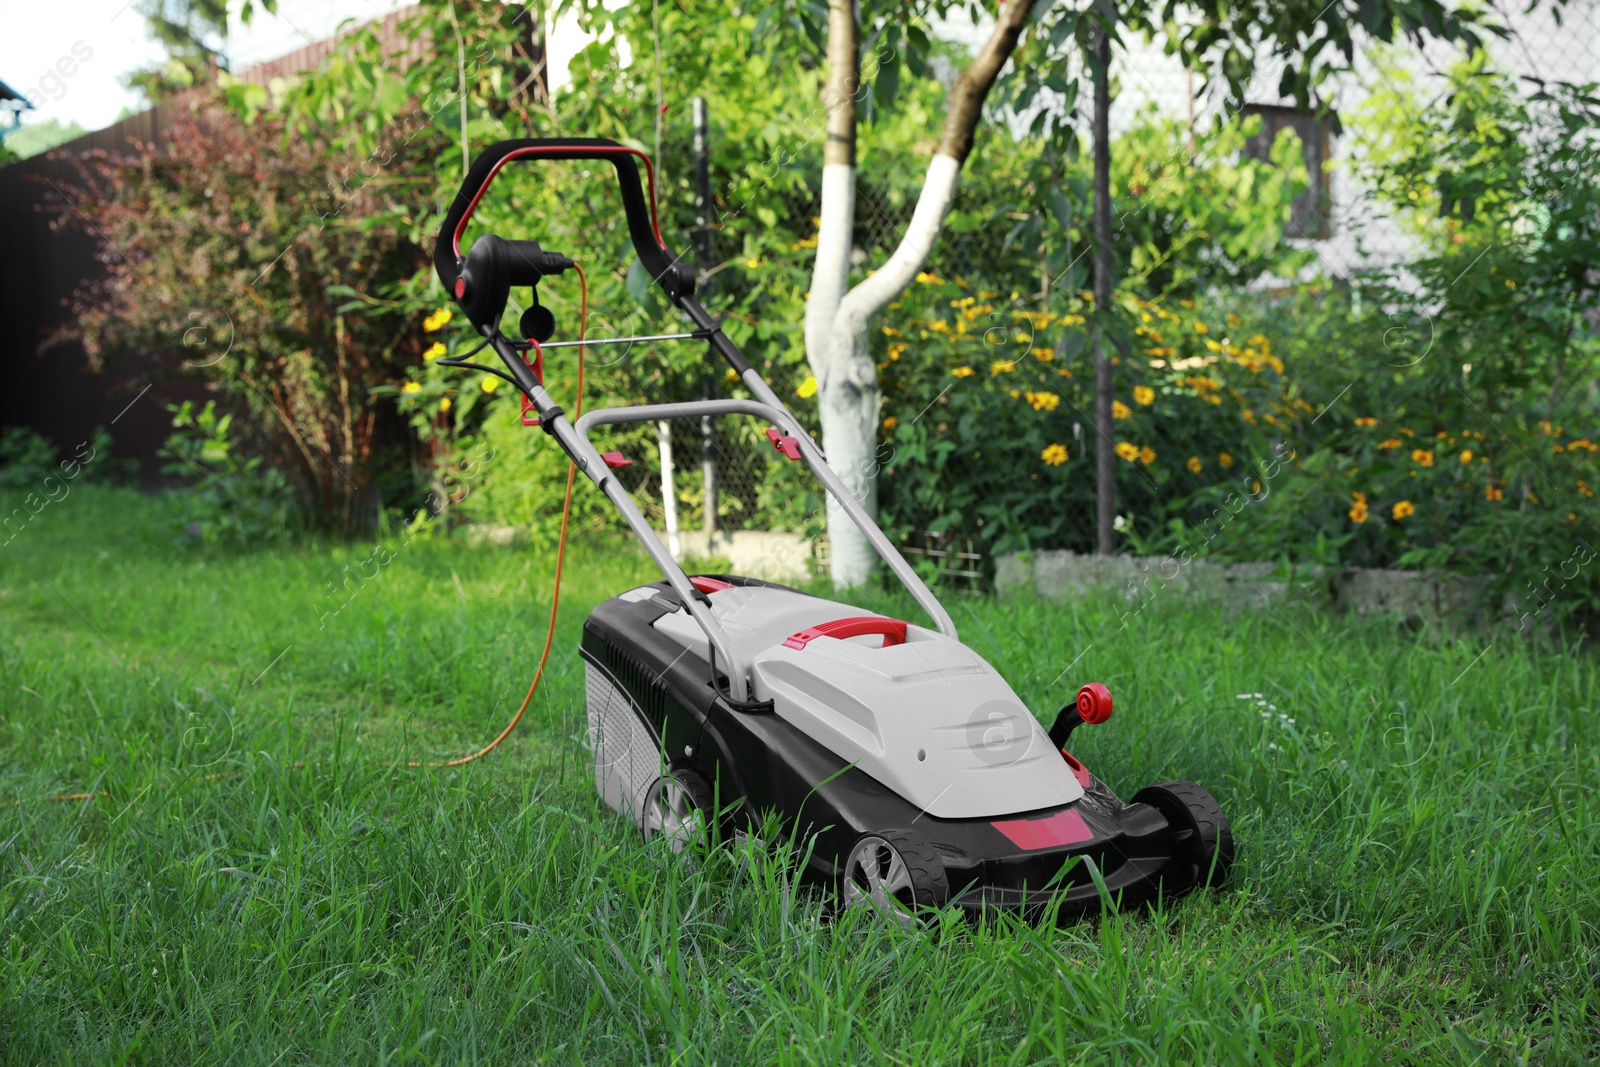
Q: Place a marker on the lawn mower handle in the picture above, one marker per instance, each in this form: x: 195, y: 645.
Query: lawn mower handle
x: 670, y: 272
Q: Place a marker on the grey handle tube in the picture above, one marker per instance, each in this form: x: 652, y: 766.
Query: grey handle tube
x: 847, y: 500
x: 576, y: 444
x: 789, y: 426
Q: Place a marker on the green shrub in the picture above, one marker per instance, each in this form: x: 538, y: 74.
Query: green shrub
x: 231, y: 497
x: 26, y: 458
x: 1462, y: 414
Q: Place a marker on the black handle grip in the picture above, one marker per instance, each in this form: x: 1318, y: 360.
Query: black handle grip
x: 674, y: 276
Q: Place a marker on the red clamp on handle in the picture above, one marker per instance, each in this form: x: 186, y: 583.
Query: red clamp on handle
x: 1094, y: 704
x: 613, y: 459
x: 537, y: 363
x: 709, y: 585
x: 783, y: 443
x: 893, y: 631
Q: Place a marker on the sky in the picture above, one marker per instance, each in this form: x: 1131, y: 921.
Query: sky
x: 67, y: 56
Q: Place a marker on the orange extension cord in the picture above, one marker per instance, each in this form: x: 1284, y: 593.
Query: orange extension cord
x: 561, y: 553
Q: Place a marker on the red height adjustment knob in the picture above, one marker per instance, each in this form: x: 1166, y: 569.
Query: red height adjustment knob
x: 1094, y: 703
x: 782, y: 442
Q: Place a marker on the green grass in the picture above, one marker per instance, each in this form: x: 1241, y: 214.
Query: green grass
x: 258, y: 878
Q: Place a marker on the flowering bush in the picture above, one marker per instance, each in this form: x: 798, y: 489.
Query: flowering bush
x: 989, y: 424
x: 1460, y: 428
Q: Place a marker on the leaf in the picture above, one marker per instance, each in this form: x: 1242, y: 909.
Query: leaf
x: 1060, y: 208
x: 638, y: 282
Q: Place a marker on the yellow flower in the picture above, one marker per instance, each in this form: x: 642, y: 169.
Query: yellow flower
x: 928, y: 279
x: 1201, y: 327
x: 1225, y: 459
x: 434, y: 351
x: 1583, y: 487
x: 897, y: 350
x: 1393, y: 442
x: 1194, y: 465
x: 1358, y: 509
x: 1002, y: 366
x: 1119, y: 410
x: 1423, y: 456
x: 1403, y: 509
x: 489, y: 383
x: 1042, y: 401
x: 1127, y: 451
x: 808, y: 388
x: 444, y: 405
x: 963, y: 372
x: 890, y: 331
x: 1144, y: 395
x: 1494, y: 492
x: 1367, y: 422
x: 752, y: 263
x: 410, y: 387
x: 436, y: 322
x: 1466, y: 456
x: 890, y: 423
x: 1043, y: 355
x: 1054, y: 455
x: 1147, y: 455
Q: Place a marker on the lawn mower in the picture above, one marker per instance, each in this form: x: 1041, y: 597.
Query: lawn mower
x: 902, y: 765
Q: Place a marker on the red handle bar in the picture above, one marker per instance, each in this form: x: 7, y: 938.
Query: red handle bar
x: 893, y: 631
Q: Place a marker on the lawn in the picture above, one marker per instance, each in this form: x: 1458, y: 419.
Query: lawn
x: 251, y: 874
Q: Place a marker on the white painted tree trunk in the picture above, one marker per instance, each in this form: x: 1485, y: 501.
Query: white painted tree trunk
x: 838, y: 317
x: 669, y: 488
x: 839, y: 349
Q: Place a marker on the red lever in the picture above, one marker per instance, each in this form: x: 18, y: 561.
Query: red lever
x: 709, y: 585
x: 1094, y: 704
x: 537, y: 363
x: 613, y: 459
x: 893, y: 631
x: 783, y: 443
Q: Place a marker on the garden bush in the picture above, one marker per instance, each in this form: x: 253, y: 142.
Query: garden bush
x: 1462, y: 414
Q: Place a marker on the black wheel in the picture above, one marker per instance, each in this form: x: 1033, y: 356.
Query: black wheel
x: 1202, y: 840
x: 896, y: 872
x: 679, y: 807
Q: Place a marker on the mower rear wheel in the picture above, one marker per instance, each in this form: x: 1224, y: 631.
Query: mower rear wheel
x: 896, y: 872
x: 679, y: 807
x: 1202, y: 847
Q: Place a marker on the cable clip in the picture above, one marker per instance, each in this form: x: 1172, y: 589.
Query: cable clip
x: 537, y: 364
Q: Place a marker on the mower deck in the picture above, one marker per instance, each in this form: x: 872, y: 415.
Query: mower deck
x: 655, y: 713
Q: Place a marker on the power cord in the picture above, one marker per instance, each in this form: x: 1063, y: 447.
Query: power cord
x: 561, y: 553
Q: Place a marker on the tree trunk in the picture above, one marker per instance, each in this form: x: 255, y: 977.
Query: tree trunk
x: 1105, y: 457
x: 837, y: 318
x: 847, y: 400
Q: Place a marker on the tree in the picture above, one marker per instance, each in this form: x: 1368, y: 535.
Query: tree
x: 194, y: 35
x: 837, y: 315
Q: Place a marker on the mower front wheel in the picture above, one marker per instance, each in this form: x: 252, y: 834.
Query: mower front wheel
x: 1202, y: 839
x: 895, y: 872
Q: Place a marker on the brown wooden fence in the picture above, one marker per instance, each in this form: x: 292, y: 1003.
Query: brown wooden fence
x: 53, y: 391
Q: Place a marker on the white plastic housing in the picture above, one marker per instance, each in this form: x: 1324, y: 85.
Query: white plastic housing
x: 930, y: 718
